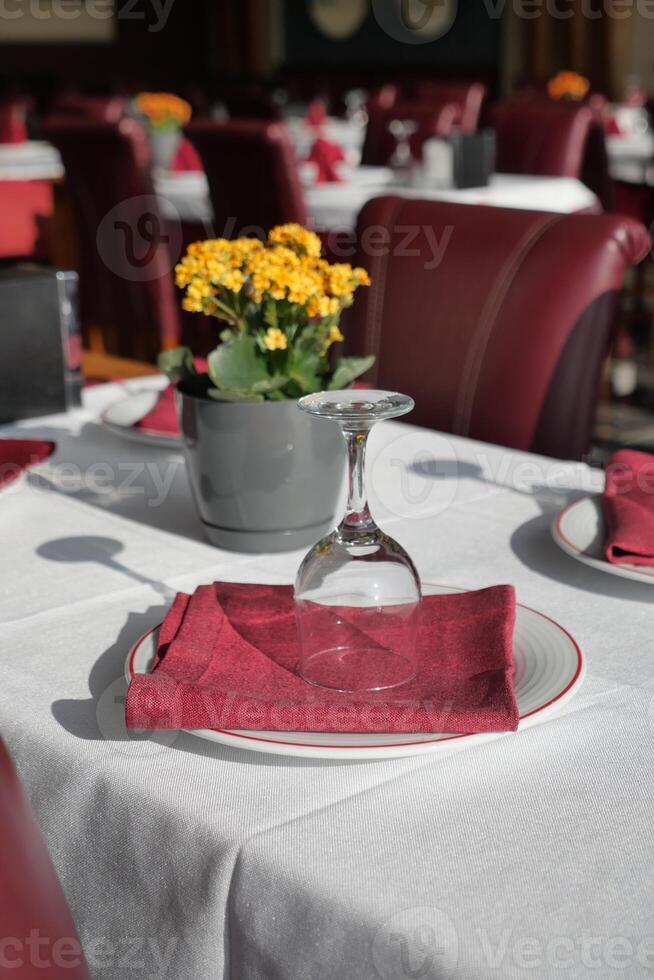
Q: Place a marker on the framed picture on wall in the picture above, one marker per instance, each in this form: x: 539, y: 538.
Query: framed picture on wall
x: 53, y: 22
x: 338, y: 19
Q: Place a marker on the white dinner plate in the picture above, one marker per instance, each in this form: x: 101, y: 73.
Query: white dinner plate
x: 549, y: 670
x: 580, y: 530
x: 122, y: 414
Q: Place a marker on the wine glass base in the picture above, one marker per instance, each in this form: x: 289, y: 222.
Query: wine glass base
x: 360, y: 669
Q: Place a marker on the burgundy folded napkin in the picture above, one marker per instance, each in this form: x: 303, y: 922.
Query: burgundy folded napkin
x: 325, y: 156
x: 316, y: 113
x: 186, y: 158
x: 12, y: 123
x: 162, y: 418
x: 611, y: 126
x: 17, y: 455
x: 227, y: 656
x: 628, y: 503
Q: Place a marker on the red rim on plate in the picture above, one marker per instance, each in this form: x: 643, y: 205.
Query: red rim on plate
x: 645, y: 573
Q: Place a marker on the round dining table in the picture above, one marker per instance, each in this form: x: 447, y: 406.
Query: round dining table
x: 529, y: 855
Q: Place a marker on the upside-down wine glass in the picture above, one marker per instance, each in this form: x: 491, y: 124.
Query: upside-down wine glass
x: 402, y: 161
x: 357, y: 592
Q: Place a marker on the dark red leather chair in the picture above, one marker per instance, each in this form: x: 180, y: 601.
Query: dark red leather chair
x: 383, y: 97
x: 125, y: 260
x: 379, y: 143
x: 467, y: 97
x: 32, y: 902
x: 102, y: 108
x: 541, y: 138
x: 252, y: 175
x: 538, y: 136
x: 496, y: 321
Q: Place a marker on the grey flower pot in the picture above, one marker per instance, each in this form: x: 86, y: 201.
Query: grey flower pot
x: 164, y: 146
x: 265, y: 476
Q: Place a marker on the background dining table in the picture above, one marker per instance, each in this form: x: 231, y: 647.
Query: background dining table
x: 336, y: 205
x: 529, y: 855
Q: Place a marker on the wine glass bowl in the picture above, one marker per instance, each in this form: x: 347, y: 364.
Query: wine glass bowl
x: 357, y: 592
x: 401, y: 159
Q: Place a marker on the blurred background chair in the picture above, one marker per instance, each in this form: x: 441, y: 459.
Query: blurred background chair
x: 538, y: 137
x: 126, y: 251
x: 32, y: 900
x: 541, y: 138
x: 252, y: 174
x: 102, y: 108
x: 379, y: 143
x: 504, y: 338
x: 468, y: 98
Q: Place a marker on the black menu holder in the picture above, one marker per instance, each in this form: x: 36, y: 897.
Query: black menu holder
x: 40, y: 344
x: 474, y: 158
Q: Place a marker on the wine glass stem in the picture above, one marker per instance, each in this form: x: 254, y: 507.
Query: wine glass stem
x: 357, y: 515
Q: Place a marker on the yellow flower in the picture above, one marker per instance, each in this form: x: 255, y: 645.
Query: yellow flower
x: 296, y: 237
x: 334, y: 335
x: 568, y: 85
x: 233, y: 280
x: 161, y: 108
x: 285, y: 268
x: 275, y: 339
x: 192, y: 305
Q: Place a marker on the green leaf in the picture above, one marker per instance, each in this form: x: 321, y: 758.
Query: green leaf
x: 233, y: 396
x: 270, y: 313
x: 270, y: 384
x: 237, y: 365
x: 347, y: 369
x: 304, y: 369
x: 177, y: 364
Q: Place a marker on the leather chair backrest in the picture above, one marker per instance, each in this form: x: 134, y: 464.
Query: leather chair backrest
x: 542, y: 138
x: 126, y: 284
x: 110, y: 108
x: 252, y: 174
x: 468, y: 97
x: 495, y: 321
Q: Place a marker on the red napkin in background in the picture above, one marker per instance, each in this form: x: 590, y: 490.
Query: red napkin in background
x: 227, y: 656
x: 325, y: 156
x: 628, y: 503
x: 316, y: 113
x: 17, y: 455
x: 611, y: 127
x: 163, y: 417
x: 12, y: 123
x: 186, y: 158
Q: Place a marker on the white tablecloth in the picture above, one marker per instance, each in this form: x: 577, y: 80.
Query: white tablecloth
x: 529, y: 856
x: 336, y: 206
x: 631, y: 158
x: 32, y: 160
